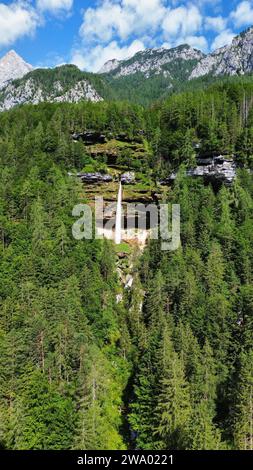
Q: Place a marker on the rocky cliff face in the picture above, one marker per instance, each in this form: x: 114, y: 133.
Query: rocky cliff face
x: 109, y: 66
x: 62, y: 84
x: 236, y: 59
x: 214, y: 169
x: 12, y: 66
x: 30, y: 92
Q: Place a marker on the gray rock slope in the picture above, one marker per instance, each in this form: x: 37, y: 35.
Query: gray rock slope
x: 12, y: 66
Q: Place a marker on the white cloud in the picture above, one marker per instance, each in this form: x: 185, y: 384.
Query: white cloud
x: 148, y: 13
x: 198, y: 42
x: 96, y: 57
x: 216, y: 23
x: 100, y: 24
x: 223, y: 39
x: 54, y: 5
x: 182, y: 21
x: 243, y: 15
x: 121, y: 19
x: 16, y: 20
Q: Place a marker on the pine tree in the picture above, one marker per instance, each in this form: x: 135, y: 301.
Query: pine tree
x: 187, y: 152
x: 173, y: 409
x: 204, y: 435
x: 243, y: 428
x: 47, y: 419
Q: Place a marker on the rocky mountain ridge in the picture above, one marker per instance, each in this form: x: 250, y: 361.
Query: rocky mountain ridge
x: 152, y: 60
x: 153, y: 74
x: 235, y: 59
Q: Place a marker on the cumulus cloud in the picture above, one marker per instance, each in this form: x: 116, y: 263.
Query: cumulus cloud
x: 96, y: 57
x: 182, y: 21
x: 100, y: 24
x: 198, y: 42
x: 20, y: 18
x: 216, y: 23
x: 243, y: 15
x: 223, y: 39
x: 16, y: 20
x: 121, y: 19
x: 137, y: 17
x: 54, y: 5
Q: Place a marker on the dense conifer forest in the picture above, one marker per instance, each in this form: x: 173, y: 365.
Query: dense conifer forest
x: 169, y: 367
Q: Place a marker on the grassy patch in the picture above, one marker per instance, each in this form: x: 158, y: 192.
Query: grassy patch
x: 123, y: 248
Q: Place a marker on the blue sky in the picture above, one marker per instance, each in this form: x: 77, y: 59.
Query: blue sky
x: 88, y: 33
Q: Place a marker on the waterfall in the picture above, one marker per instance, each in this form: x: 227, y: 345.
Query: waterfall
x: 118, y: 216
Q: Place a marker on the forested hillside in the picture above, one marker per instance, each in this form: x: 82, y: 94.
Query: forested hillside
x: 193, y: 386
x: 63, y: 361
x: 171, y: 365
x: 218, y: 120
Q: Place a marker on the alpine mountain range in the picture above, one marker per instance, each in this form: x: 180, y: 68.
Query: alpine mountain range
x: 162, y: 70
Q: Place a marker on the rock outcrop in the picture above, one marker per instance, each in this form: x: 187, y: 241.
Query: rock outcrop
x: 94, y: 178
x: 216, y: 169
x: 90, y: 137
x: 219, y: 169
x: 128, y: 177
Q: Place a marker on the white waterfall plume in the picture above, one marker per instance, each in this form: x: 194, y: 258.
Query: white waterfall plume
x: 118, y: 225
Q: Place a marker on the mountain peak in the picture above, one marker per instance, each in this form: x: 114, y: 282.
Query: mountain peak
x: 12, y: 53
x: 12, y: 66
